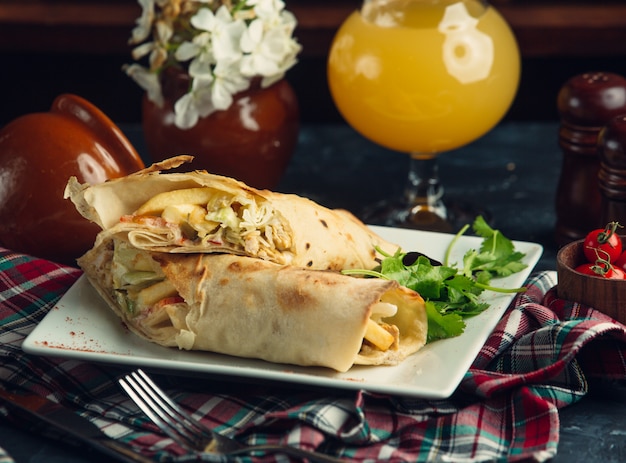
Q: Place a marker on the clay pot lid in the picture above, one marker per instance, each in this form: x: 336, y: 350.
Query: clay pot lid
x: 39, y: 152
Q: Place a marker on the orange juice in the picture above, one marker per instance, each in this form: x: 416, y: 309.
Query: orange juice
x: 424, y: 76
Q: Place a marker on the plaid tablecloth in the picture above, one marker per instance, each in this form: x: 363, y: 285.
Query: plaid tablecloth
x: 506, y: 408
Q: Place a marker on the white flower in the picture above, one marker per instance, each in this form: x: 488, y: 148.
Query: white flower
x: 219, y: 39
x: 268, y: 52
x: 144, y: 22
x: 266, y: 9
x: 198, y: 102
x: 218, y: 43
x: 222, y: 44
x: 228, y: 81
x: 199, y: 48
x: 147, y: 80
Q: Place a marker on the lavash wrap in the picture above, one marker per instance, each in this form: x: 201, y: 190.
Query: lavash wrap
x: 319, y: 238
x: 253, y: 308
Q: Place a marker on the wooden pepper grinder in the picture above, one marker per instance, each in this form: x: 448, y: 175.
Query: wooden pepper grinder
x: 612, y: 175
x: 586, y: 103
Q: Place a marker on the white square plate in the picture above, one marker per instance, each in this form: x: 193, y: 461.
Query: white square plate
x: 82, y: 327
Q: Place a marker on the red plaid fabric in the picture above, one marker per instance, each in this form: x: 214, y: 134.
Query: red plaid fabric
x: 537, y: 360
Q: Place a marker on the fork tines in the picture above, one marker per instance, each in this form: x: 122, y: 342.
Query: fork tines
x: 164, y: 413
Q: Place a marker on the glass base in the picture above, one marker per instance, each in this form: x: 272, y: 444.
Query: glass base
x: 447, y: 219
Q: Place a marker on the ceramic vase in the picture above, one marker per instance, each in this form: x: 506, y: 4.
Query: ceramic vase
x: 253, y: 140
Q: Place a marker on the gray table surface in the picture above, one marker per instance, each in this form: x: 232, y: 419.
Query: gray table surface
x: 512, y: 172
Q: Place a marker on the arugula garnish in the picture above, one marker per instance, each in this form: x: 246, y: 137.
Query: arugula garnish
x: 452, y: 294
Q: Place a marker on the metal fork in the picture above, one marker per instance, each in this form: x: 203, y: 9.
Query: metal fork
x: 188, y: 432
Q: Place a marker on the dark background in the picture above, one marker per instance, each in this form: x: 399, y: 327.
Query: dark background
x: 49, y: 47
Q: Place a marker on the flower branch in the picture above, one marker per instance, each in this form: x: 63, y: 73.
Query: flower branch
x: 222, y: 45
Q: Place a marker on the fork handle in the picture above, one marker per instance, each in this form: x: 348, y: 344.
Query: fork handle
x: 293, y: 451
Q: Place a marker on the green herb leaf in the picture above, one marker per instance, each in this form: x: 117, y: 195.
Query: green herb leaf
x: 441, y: 326
x: 452, y: 294
x: 497, y: 253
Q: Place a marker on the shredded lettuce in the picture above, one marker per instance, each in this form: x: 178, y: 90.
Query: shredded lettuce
x: 226, y: 216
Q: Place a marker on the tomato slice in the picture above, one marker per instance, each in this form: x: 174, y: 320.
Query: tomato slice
x: 603, y: 243
x: 168, y: 301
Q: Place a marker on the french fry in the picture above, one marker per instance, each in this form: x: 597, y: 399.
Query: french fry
x: 180, y: 213
x: 156, y: 204
x: 152, y: 294
x: 378, y: 336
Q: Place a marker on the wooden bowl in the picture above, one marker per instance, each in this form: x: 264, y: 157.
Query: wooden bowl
x: 605, y: 295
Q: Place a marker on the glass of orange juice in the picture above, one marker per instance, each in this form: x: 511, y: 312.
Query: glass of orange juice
x: 423, y: 77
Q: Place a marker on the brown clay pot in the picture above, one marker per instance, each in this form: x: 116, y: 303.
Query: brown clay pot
x: 39, y: 152
x: 252, y: 141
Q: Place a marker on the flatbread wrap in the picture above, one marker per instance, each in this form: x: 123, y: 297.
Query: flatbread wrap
x: 253, y: 308
x: 198, y: 212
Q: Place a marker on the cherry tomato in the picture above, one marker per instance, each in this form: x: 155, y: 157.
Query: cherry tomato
x: 599, y: 269
x: 603, y: 243
x: 618, y: 274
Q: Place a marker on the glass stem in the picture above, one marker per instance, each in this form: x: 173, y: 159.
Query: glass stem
x: 423, y: 191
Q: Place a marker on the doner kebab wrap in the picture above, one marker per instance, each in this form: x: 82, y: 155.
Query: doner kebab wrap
x: 249, y: 307
x: 198, y: 212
